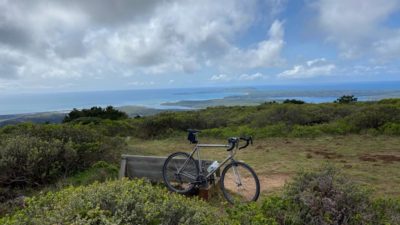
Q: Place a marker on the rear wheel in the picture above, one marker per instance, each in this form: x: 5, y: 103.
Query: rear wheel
x: 239, y: 183
x: 180, y: 172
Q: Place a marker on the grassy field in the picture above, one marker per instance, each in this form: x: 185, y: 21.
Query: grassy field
x: 372, y: 161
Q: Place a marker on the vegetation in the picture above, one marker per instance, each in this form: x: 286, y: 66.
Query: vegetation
x: 33, y: 156
x: 114, y: 202
x: 269, y: 120
x: 322, y: 197
x: 362, y: 138
x: 345, y: 99
x: 95, y: 112
x: 293, y: 101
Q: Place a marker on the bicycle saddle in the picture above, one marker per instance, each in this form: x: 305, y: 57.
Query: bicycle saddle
x: 193, y: 131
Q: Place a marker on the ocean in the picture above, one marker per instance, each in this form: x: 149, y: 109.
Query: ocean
x: 48, y: 102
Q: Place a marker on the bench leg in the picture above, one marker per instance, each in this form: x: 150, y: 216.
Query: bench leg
x: 122, y: 169
x: 206, y: 193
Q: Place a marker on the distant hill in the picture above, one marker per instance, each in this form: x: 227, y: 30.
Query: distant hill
x: 57, y: 117
x: 46, y: 117
x: 133, y: 110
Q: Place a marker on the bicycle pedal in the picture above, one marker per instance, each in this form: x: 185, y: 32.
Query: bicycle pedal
x: 201, y: 181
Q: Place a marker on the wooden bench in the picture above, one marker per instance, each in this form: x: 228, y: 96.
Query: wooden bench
x: 150, y: 167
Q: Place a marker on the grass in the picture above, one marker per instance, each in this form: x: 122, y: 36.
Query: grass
x: 372, y: 161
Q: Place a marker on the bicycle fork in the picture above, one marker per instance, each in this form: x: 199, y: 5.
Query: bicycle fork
x: 238, y: 179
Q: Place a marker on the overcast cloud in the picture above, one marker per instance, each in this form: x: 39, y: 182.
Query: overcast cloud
x: 100, y: 44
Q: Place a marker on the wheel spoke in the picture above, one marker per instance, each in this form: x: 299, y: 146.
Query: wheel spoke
x: 180, y: 172
x: 240, y: 183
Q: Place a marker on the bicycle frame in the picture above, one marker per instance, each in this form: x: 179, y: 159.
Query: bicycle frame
x: 197, y: 149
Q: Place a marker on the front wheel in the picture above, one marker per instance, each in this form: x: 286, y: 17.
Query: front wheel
x: 180, y: 172
x: 239, y: 183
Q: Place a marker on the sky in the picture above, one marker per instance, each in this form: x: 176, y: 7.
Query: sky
x: 75, y: 45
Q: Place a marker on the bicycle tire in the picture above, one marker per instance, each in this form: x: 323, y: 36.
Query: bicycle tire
x: 172, y: 164
x: 231, y: 189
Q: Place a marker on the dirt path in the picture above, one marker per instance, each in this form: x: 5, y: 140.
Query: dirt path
x: 268, y: 183
x: 272, y: 182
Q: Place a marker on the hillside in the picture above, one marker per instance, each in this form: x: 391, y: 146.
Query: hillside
x: 55, y: 163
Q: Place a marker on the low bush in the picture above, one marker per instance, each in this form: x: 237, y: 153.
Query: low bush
x: 305, y: 131
x: 320, y: 198
x: 272, y: 119
x: 100, y: 172
x: 32, y: 155
x: 95, y: 113
x: 250, y: 214
x: 346, y: 99
x: 114, y: 202
x: 293, y: 101
x: 327, y: 198
x: 373, y: 117
x: 30, y: 161
x: 391, y: 128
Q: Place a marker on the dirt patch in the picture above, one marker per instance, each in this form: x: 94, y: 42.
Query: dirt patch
x: 375, y: 158
x: 327, y: 154
x: 267, y: 183
x: 347, y: 166
x: 273, y: 181
x: 367, y: 158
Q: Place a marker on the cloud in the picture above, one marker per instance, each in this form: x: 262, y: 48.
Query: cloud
x: 389, y: 47
x: 249, y: 77
x: 141, y: 83
x: 11, y: 64
x: 354, y: 25
x: 58, y: 40
x: 242, y: 77
x: 220, y: 77
x: 265, y: 54
x: 312, y: 68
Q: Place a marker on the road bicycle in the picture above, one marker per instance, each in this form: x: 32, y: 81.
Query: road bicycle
x: 239, y: 183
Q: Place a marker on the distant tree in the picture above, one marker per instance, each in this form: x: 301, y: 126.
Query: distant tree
x: 345, y: 99
x: 293, y: 101
x: 96, y: 112
x: 138, y: 116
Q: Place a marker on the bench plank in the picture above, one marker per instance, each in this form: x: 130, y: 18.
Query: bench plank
x: 150, y: 167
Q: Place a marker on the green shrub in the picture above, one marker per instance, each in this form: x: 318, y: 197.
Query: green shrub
x: 31, y: 161
x: 321, y: 197
x: 32, y: 155
x: 391, y: 128
x: 390, y: 101
x: 346, y: 99
x: 249, y: 214
x: 293, y: 101
x: 94, y: 113
x: 305, y: 131
x: 337, y: 128
x: 373, y: 117
x: 100, y: 171
x: 386, y: 211
x: 325, y: 197
x: 114, y: 202
x: 275, y: 130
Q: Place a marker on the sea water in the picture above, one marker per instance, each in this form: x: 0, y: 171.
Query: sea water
x: 46, y: 102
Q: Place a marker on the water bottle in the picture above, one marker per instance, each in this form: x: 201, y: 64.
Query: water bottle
x: 213, y: 166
